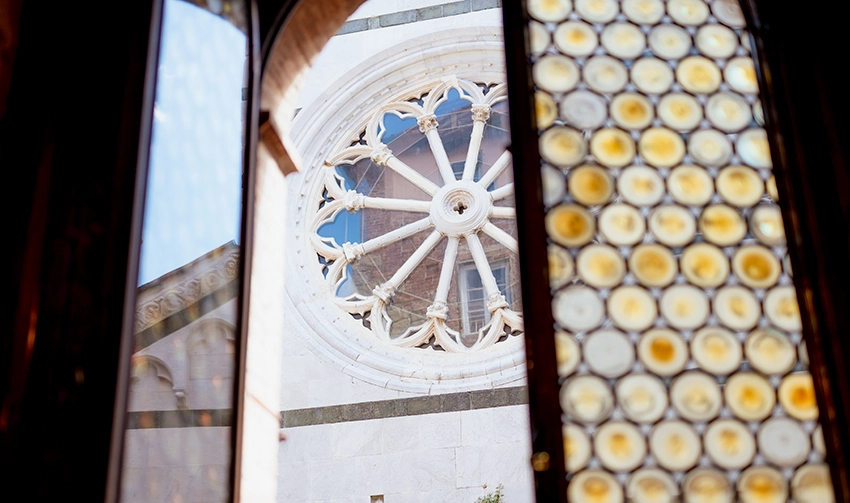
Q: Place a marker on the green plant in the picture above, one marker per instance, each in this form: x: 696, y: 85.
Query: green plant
x: 494, y: 497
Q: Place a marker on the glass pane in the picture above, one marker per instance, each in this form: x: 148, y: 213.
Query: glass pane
x: 679, y: 347
x: 177, y: 447
x: 410, y: 314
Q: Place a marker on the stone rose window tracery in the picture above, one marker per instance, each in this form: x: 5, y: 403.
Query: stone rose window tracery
x: 423, y: 192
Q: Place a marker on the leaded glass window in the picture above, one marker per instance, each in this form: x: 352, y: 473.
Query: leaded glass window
x: 683, y: 372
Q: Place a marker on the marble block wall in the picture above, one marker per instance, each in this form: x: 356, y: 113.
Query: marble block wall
x: 452, y: 457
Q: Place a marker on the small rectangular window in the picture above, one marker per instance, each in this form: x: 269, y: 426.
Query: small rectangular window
x: 474, y: 298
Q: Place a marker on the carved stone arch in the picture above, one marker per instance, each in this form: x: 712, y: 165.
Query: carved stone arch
x: 149, y: 371
x: 205, y: 331
x: 141, y: 364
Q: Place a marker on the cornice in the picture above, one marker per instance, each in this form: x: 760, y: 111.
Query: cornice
x: 184, y: 287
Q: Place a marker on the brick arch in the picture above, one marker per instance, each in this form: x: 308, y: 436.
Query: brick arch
x: 300, y: 38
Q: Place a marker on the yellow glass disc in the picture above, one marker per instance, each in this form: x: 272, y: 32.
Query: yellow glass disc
x: 554, y: 185
x: 672, y: 225
x: 762, y: 484
x: 643, y: 397
x: 653, y: 265
x: 770, y: 351
x: 675, y: 445
x: 622, y: 224
x: 740, y: 186
x: 728, y: 112
x: 716, y: 41
x: 716, y: 350
x: 612, y: 148
x: 570, y: 225
x: 562, y: 146
x: 597, y: 11
x: 575, y: 38
x: 722, y: 225
x: 661, y: 147
x: 643, y: 11
x: 545, y: 110
x: 650, y: 485
x: 781, y: 309
x: 567, y: 353
x: 662, y: 351
x: 576, y: 447
x: 652, y: 75
x: 749, y: 396
x: 698, y: 75
x: 797, y: 396
x: 705, y: 485
x: 632, y: 308
x: 605, y: 74
x: 690, y: 185
x: 756, y: 266
x: 680, y: 111
x: 710, y: 148
x: 696, y: 396
x: 587, y: 399
x: 704, y: 265
x: 736, y: 307
x: 623, y: 40
x: 753, y: 148
x: 619, y: 446
x: 539, y: 37
x: 740, y: 74
x: 550, y: 10
x: 631, y: 111
x: 688, y: 12
x: 590, y: 185
x: 556, y: 73
x: 668, y: 41
x: 766, y: 225
x: 594, y: 486
x: 812, y: 484
x: 600, y: 266
x: 641, y: 186
x: 729, y: 443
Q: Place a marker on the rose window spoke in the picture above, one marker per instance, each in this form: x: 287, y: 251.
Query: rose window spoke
x: 408, y: 289
x: 502, y: 192
x: 501, y: 236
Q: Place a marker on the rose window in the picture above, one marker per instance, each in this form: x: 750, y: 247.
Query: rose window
x: 415, y: 229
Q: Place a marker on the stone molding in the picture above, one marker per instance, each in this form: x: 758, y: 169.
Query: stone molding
x: 403, y: 407
x: 363, y: 411
x: 417, y: 15
x: 182, y: 288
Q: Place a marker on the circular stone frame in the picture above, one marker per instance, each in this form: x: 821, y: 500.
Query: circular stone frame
x: 328, y: 125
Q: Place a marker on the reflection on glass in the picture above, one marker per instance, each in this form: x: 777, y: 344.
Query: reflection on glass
x: 177, y: 446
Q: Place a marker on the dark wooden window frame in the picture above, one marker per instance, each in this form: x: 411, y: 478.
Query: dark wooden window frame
x: 79, y: 235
